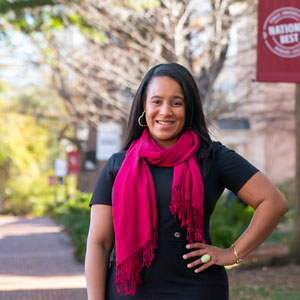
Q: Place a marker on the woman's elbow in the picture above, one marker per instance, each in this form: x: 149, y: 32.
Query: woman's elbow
x: 285, y: 207
x: 104, y: 245
x: 282, y: 204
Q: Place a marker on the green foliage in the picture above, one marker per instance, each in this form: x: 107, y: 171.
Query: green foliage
x: 27, y: 150
x: 231, y: 218
x: 17, y: 5
x: 283, y: 232
x: 23, y: 149
x: 288, y: 190
x: 44, y: 16
x: 74, y: 214
x: 139, y: 4
x: 265, y: 292
x: 31, y: 22
x: 228, y: 221
x: 48, y: 20
x: 27, y: 195
x: 279, y: 236
x: 87, y: 30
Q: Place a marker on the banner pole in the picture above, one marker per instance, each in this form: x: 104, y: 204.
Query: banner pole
x: 295, y: 243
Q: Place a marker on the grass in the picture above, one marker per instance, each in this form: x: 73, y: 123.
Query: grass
x: 264, y: 293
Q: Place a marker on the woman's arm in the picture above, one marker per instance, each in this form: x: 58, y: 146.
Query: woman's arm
x: 99, y: 246
x: 269, y: 206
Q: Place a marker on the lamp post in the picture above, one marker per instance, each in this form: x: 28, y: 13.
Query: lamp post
x: 82, y: 133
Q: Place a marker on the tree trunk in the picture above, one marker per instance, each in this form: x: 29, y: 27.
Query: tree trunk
x: 295, y: 244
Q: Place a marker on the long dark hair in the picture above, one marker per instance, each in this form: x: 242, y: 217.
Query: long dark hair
x: 194, y: 115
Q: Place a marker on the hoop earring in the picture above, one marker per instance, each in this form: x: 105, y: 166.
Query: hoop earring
x: 140, y: 118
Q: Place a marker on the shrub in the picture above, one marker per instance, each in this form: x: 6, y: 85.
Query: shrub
x: 74, y: 215
x: 229, y: 221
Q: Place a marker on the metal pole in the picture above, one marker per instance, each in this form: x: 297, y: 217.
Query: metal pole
x: 295, y: 244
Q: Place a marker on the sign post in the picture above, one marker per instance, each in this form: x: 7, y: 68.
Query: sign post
x: 295, y: 244
x: 278, y: 60
x: 61, y: 171
x: 60, y: 167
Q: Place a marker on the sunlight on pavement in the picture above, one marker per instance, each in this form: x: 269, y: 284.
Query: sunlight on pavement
x: 24, y: 231
x: 10, y: 283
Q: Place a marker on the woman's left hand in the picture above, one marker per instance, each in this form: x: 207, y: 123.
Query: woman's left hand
x: 219, y: 256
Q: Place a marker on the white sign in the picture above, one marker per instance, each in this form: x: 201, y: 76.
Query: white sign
x: 108, y: 140
x: 60, y: 167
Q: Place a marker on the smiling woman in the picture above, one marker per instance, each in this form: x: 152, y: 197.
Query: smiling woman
x: 165, y: 110
x: 154, y: 200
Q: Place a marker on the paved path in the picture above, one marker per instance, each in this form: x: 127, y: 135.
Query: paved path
x: 37, y: 262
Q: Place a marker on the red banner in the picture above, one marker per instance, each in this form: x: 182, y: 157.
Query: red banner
x: 278, y: 41
x: 73, y: 162
x: 51, y: 180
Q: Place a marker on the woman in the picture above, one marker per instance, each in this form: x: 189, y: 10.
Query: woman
x: 156, y: 197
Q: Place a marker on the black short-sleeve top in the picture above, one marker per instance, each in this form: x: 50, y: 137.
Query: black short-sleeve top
x: 228, y: 170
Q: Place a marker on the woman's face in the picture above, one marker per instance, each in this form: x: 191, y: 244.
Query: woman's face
x: 165, y: 110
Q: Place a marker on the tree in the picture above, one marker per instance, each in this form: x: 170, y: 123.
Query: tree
x: 26, y: 150
x: 19, y: 5
x: 122, y: 39
x: 135, y: 38
x: 97, y: 77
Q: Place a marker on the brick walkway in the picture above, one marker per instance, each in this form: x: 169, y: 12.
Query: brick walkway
x: 36, y: 261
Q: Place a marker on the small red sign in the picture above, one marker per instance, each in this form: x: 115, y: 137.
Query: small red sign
x: 51, y: 180
x: 73, y: 162
x: 278, y: 47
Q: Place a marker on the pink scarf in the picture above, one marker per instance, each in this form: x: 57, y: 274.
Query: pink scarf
x: 134, y: 202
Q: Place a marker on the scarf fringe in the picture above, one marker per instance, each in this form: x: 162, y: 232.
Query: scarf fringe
x: 128, y: 272
x: 190, y: 217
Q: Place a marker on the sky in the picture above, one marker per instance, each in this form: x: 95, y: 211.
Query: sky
x: 14, y: 62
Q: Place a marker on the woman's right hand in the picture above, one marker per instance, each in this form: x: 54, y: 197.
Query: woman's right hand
x: 99, y: 246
